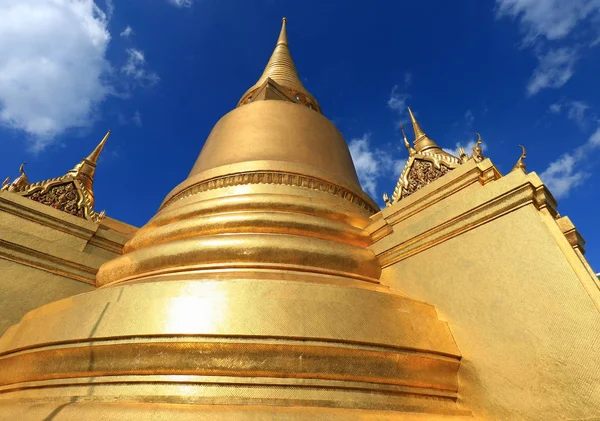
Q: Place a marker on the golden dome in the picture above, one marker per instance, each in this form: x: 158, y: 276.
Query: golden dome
x: 251, y: 294
x: 274, y: 135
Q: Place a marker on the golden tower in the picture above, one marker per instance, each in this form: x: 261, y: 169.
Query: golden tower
x: 250, y: 294
x: 270, y: 286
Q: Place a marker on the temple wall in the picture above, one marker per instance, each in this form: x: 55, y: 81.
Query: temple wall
x: 509, y: 277
x: 46, y: 254
x: 24, y: 288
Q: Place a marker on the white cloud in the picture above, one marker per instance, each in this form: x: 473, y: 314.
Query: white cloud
x: 127, y: 32
x: 555, y: 68
x: 408, y: 79
x: 137, y: 119
x: 110, y: 9
x: 469, y: 118
x: 181, y: 3
x: 372, y: 164
x: 544, y: 23
x: 467, y: 145
x: 54, y: 73
x: 578, y: 111
x: 136, y: 67
x: 568, y: 172
x: 397, y: 102
x: 550, y: 19
x: 52, y: 65
x: 562, y: 175
x: 555, y: 108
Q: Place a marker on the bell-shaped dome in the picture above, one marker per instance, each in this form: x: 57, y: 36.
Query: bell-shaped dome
x: 251, y: 294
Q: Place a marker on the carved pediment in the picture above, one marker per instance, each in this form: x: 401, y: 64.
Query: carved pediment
x: 72, y: 193
x: 420, y: 174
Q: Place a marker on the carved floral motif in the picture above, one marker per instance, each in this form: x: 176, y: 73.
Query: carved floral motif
x: 63, y: 197
x: 421, y: 174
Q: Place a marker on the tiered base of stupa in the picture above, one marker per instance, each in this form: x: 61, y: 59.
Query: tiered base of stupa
x: 230, y: 349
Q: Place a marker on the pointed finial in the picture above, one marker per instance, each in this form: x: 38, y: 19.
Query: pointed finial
x: 281, y: 70
x: 410, y: 149
x: 387, y: 200
x: 422, y: 141
x: 19, y: 183
x: 520, y: 165
x: 283, y: 34
x: 477, y: 150
x: 93, y: 157
x: 419, y: 133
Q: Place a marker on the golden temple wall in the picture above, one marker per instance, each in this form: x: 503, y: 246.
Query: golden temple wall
x: 508, y: 275
x: 46, y: 254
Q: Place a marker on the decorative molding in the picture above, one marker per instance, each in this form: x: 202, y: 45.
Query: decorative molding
x: 73, y: 226
x: 55, y: 265
x: 271, y: 177
x: 501, y: 205
x: 571, y: 234
x: 289, y: 94
x: 60, y: 224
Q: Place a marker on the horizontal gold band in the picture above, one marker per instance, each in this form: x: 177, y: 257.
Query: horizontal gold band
x: 238, y: 250
x: 271, y: 177
x: 231, y: 359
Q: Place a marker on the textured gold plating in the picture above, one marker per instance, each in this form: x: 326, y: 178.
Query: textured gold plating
x: 271, y: 177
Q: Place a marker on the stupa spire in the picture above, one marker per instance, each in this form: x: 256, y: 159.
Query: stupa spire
x: 416, y: 127
x: 282, y: 75
x: 283, y: 34
x: 93, y: 157
x: 422, y: 141
x: 86, y: 169
x: 281, y: 66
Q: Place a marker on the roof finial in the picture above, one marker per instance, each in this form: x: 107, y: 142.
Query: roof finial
x: 5, y: 184
x: 419, y: 133
x: 19, y: 183
x: 93, y: 157
x: 283, y: 34
x: 520, y: 165
x: 477, y: 154
x: 410, y: 149
x: 422, y: 141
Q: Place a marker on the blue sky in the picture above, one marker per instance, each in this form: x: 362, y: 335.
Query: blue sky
x: 160, y: 73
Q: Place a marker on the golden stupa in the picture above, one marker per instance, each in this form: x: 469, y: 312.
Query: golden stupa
x: 269, y: 285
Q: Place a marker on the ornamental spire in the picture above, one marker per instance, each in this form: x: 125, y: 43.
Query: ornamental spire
x: 520, y: 165
x: 86, y: 169
x: 410, y: 149
x: 283, y: 33
x: 281, y: 67
x: 93, y: 157
x: 422, y: 141
x: 281, y: 73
